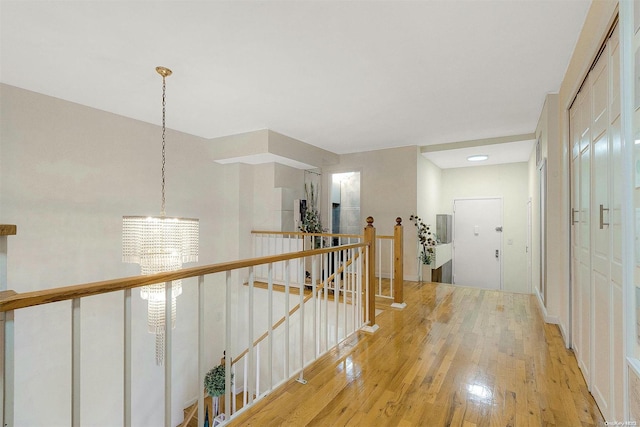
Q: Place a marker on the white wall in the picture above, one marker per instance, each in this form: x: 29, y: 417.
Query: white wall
x: 68, y: 174
x: 428, y: 200
x: 556, y: 293
x: 510, y: 182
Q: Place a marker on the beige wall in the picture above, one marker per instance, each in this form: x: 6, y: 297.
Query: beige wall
x: 388, y: 180
x: 547, y: 132
x: 68, y: 174
x: 509, y: 182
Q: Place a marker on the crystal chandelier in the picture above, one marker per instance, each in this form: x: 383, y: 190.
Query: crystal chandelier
x: 159, y: 244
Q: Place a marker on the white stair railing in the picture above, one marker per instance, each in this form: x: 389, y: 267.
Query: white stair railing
x: 324, y: 314
x: 330, y: 310
x: 388, y: 263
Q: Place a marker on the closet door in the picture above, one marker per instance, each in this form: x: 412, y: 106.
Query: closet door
x: 576, y: 294
x: 617, y: 177
x: 596, y: 232
x: 600, y: 228
x: 581, y: 230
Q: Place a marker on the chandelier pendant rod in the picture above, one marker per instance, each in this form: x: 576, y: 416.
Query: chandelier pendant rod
x: 164, y: 72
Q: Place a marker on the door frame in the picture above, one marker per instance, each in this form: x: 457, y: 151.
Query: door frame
x: 541, y: 290
x: 329, y: 186
x: 529, y: 244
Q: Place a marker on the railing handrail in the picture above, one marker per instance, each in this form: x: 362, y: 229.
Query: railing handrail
x: 47, y: 296
x: 304, y: 233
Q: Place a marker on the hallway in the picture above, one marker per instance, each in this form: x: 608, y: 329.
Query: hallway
x: 455, y: 356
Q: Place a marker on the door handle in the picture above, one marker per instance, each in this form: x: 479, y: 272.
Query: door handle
x: 602, y: 223
x: 497, y: 253
x: 573, y: 216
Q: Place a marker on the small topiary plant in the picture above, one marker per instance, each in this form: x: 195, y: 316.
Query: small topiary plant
x: 214, y: 381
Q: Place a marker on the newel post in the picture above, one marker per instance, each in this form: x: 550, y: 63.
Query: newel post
x: 370, y: 262
x: 398, y: 265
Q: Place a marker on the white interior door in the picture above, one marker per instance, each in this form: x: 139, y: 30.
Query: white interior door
x: 601, y: 242
x: 477, y: 243
x: 596, y: 233
x: 580, y: 119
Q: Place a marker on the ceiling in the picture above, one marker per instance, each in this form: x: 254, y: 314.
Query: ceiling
x: 510, y: 152
x: 346, y: 76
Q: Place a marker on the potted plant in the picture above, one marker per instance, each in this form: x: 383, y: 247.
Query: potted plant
x: 214, y: 384
x: 311, y: 220
x: 426, y: 240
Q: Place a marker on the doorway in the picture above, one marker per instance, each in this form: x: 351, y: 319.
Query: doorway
x: 477, y: 242
x: 345, y: 203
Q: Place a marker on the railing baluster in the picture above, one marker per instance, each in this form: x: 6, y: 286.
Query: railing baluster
x: 8, y: 377
x: 301, y: 269
x: 233, y: 392
x: 345, y: 290
x: 355, y: 296
x: 391, y: 278
x: 75, y: 362
x: 245, y: 384
x: 379, y: 266
x: 227, y: 349
x: 314, y: 291
x: 270, y: 329
x: 201, y: 341
x: 324, y: 307
x: 168, y: 332
x: 287, y: 289
x: 127, y: 359
x: 257, y: 393
x: 336, y: 294
x: 361, y: 280
x: 250, y: 345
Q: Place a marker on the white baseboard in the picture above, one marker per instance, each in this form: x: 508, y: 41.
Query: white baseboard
x: 399, y: 305
x: 554, y: 320
x: 370, y: 329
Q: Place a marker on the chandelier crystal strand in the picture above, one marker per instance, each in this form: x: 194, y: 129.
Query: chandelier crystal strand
x: 159, y: 244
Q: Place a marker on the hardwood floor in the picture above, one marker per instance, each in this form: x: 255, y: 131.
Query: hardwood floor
x: 454, y: 357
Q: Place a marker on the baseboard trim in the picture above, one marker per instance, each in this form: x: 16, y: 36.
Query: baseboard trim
x: 370, y: 329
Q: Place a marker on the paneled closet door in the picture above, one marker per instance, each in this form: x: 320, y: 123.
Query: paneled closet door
x: 580, y: 228
x: 601, y: 245
x: 576, y: 295
x: 596, y: 232
x: 617, y: 177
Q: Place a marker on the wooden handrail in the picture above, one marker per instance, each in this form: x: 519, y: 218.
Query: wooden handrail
x: 303, y: 234
x: 46, y: 296
x: 306, y: 234
x: 8, y: 230
x: 296, y: 308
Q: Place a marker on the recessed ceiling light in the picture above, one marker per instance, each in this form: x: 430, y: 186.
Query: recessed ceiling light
x: 477, y: 158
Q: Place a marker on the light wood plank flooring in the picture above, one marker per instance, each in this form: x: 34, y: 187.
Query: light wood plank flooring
x: 454, y: 357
